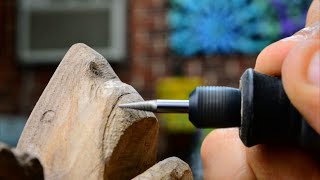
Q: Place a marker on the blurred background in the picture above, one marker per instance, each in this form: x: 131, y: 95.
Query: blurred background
x: 163, y: 48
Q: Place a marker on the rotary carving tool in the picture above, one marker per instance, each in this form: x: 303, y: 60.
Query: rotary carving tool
x: 260, y: 108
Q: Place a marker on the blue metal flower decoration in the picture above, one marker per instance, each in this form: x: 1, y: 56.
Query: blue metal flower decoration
x: 234, y: 26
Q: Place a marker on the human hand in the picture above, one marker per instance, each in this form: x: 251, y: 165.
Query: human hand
x: 297, y: 60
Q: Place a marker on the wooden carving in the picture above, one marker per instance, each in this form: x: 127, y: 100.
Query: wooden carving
x: 170, y: 168
x: 77, y: 130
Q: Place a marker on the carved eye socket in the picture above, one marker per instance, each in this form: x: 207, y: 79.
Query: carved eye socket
x: 95, y: 69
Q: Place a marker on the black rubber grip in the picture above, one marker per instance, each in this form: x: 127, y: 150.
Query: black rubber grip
x: 215, y: 107
x: 268, y: 117
x: 261, y: 109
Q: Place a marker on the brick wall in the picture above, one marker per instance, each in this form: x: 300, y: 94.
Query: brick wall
x: 20, y: 86
x: 148, y: 44
x: 148, y: 59
x: 9, y: 75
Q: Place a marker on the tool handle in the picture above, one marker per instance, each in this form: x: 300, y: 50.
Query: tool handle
x: 268, y: 117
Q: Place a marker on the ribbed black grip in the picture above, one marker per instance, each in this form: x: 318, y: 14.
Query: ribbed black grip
x: 268, y: 117
x: 215, y: 107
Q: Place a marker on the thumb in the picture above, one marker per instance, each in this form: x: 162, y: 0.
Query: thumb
x: 301, y: 80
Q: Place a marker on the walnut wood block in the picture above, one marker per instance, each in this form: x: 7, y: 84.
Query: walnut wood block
x: 77, y: 130
x: 170, y: 168
x: 15, y: 165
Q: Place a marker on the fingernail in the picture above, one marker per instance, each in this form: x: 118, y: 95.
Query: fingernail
x: 314, y: 69
x: 309, y: 32
x: 305, y: 33
x: 294, y: 38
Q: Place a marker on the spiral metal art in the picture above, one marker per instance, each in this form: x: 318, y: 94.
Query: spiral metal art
x: 236, y: 26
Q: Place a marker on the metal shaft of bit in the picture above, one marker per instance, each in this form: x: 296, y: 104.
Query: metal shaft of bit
x: 160, y: 106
